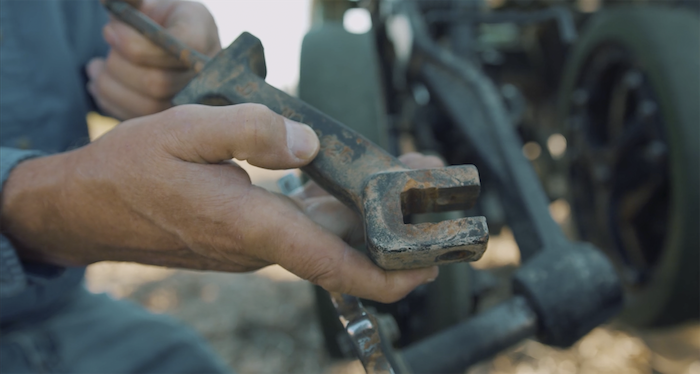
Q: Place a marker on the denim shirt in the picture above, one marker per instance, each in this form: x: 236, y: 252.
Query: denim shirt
x: 44, y: 47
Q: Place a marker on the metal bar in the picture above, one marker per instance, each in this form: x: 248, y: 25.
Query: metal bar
x: 479, y: 338
x: 157, y: 34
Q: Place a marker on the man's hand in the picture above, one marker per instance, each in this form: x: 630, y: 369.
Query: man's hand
x: 139, y: 78
x: 160, y: 190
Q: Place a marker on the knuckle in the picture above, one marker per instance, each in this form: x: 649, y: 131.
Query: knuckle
x: 255, y: 112
x: 205, y: 40
x: 197, y: 6
x: 268, y: 121
x: 254, y: 125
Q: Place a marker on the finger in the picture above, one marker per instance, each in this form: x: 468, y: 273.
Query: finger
x: 192, y: 23
x: 189, y: 22
x: 157, y: 83
x: 137, y: 49
x: 307, y: 250
x: 334, y: 216
x: 157, y: 10
x: 309, y: 190
x: 419, y: 161
x: 117, y: 99
x: 250, y: 132
x: 106, y: 107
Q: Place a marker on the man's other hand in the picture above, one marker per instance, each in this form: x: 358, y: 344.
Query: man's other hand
x: 161, y: 190
x: 139, y: 78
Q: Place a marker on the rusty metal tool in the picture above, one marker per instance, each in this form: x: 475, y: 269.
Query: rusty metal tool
x: 350, y: 167
x: 363, y: 329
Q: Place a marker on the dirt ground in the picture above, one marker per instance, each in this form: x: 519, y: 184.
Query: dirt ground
x: 264, y: 322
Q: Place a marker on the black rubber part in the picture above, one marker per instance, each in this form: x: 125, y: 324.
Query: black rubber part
x: 665, y: 43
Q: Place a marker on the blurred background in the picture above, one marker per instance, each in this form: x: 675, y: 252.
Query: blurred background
x: 266, y: 322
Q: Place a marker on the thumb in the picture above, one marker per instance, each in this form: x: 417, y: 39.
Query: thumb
x: 251, y: 132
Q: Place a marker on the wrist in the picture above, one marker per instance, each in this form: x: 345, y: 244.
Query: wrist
x: 31, y: 205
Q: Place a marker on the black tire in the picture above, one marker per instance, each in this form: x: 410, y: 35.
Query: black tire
x: 663, y: 43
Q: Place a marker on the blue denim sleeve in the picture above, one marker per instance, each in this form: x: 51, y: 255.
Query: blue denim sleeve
x: 86, y: 20
x: 12, y: 277
x: 26, y: 287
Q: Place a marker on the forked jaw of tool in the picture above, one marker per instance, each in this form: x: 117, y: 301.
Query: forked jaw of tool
x: 389, y: 196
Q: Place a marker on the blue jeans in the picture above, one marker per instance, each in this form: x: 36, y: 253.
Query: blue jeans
x: 91, y: 333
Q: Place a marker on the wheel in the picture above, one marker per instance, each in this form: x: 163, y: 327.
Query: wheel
x: 629, y: 102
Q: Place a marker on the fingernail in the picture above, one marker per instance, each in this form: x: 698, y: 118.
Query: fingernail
x: 301, y: 139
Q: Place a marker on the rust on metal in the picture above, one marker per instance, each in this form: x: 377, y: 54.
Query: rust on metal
x: 350, y: 167
x: 390, y: 196
x: 335, y: 148
x: 126, y: 13
x: 363, y: 329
